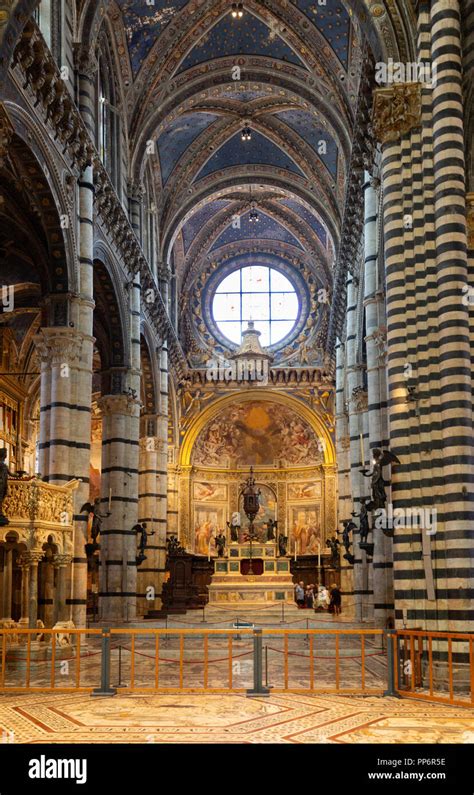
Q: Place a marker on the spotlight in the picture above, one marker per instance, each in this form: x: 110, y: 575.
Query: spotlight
x: 246, y: 134
x: 237, y: 10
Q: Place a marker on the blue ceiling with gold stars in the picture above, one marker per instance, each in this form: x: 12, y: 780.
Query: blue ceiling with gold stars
x: 246, y: 36
x: 235, y: 152
x: 193, y: 226
x: 303, y: 123
x: 266, y: 228
x: 177, y: 136
x: 143, y: 24
x: 307, y: 216
x: 333, y: 21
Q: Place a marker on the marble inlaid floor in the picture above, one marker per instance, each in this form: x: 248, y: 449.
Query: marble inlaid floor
x: 78, y: 718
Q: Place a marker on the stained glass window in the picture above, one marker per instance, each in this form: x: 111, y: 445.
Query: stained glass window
x: 257, y: 293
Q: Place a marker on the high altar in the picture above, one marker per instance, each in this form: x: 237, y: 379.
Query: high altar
x: 270, y: 581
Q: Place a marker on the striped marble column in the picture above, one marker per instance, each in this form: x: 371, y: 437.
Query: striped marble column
x: 152, y: 510
x: 118, y: 541
x: 135, y: 197
x: 428, y: 338
x: 64, y: 444
x: 377, y: 430
x: 343, y: 470
x: 86, y: 68
x: 357, y: 405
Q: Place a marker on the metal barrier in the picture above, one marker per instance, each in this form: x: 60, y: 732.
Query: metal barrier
x: 106, y: 661
x: 434, y: 666
x: 32, y: 666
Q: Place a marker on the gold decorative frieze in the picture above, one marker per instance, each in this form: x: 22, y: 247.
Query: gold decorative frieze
x: 396, y: 111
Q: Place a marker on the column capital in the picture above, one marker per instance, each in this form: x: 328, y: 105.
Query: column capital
x: 60, y: 560
x: 85, y: 59
x: 59, y: 345
x: 135, y: 190
x: 32, y: 557
x: 396, y: 111
x: 119, y: 404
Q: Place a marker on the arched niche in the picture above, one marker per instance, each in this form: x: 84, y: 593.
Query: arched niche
x: 292, y: 453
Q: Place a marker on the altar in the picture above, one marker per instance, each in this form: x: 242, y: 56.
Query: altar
x: 269, y: 582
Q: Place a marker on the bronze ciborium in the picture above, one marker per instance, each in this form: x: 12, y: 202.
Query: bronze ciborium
x: 251, y: 494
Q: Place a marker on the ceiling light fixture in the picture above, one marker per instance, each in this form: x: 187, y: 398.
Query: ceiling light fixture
x: 237, y: 10
x: 246, y: 134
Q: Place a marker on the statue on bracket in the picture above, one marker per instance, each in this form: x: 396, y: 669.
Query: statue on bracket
x: 349, y: 527
x: 173, y: 547
x: 97, y: 517
x: 363, y: 515
x: 140, y: 529
x: 381, y: 459
x: 334, y: 545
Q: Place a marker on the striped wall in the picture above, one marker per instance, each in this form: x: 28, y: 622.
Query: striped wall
x: 428, y: 331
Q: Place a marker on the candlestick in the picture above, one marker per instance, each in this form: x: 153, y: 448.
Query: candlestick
x: 296, y: 547
x: 110, y: 499
x: 362, y: 455
x: 209, y: 552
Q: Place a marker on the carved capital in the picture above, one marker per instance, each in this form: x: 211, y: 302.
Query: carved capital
x: 359, y: 399
x: 32, y: 557
x: 396, y: 111
x: 85, y: 59
x: 119, y: 404
x: 58, y: 346
x: 135, y: 190
x: 61, y: 560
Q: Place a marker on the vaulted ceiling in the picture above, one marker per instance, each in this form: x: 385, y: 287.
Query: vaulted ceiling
x: 194, y: 77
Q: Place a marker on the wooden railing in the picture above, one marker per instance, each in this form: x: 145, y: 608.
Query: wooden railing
x: 434, y: 666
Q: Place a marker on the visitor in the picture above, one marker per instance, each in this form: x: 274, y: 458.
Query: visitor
x: 322, y: 598
x: 299, y: 594
x: 309, y: 596
x: 335, y: 603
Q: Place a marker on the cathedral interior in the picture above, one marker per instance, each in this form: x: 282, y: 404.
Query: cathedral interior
x: 237, y: 346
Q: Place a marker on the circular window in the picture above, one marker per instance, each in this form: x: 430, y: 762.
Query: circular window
x: 257, y: 293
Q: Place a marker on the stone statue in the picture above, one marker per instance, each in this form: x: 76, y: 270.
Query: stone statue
x: 220, y: 544
x: 271, y: 527
x: 234, y: 532
x: 4, y: 475
x: 97, y: 517
x: 282, y: 545
x: 381, y: 459
x: 334, y: 545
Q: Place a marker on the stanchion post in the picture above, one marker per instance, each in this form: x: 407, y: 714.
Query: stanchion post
x: 105, y: 689
x: 258, y: 688
x: 391, y: 662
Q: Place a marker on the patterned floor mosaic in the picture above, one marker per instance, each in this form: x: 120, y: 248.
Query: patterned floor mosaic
x: 78, y: 718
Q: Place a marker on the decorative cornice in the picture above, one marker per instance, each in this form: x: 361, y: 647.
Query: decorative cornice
x: 396, y: 111
x: 43, y: 78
